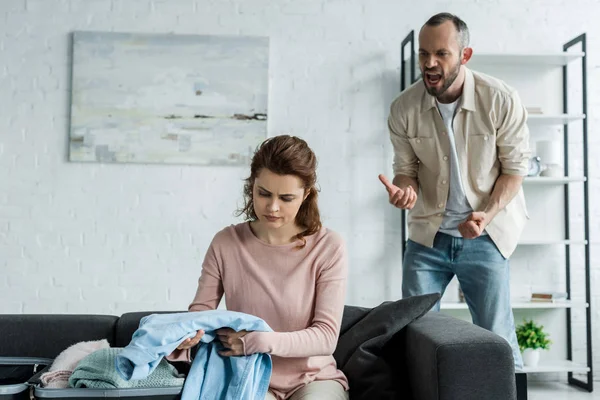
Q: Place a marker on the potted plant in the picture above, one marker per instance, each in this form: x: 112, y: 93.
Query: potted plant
x: 532, y: 339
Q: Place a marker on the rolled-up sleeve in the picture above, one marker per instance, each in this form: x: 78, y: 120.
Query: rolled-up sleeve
x: 512, y: 138
x: 405, y: 160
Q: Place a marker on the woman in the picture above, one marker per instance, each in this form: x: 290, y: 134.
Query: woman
x: 280, y: 265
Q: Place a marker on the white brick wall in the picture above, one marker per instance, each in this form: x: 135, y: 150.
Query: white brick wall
x: 117, y: 238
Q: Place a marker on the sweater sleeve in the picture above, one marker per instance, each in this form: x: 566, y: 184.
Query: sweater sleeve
x: 208, y: 294
x: 319, y: 339
x: 210, y: 286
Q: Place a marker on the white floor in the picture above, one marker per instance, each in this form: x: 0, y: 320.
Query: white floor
x: 560, y: 391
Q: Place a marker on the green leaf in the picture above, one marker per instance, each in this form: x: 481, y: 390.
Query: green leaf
x: 532, y: 336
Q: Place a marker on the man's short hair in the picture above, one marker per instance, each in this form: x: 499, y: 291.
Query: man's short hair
x: 460, y: 25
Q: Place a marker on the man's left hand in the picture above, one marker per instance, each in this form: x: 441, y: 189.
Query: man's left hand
x: 232, y: 342
x: 474, y: 225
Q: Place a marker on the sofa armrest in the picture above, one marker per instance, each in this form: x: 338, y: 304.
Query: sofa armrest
x: 448, y: 358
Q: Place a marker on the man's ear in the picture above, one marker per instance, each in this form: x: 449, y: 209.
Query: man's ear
x: 466, y: 55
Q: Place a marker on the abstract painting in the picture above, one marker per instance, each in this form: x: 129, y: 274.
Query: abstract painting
x: 166, y: 98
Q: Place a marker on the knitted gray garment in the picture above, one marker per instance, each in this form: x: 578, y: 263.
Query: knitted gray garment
x: 98, y: 371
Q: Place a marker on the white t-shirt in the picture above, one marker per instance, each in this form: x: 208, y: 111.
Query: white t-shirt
x: 457, y: 206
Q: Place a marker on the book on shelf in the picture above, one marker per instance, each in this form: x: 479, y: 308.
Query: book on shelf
x: 548, y: 296
x: 534, y: 110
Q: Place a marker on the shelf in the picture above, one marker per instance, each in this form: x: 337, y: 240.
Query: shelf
x: 513, y: 59
x: 557, y: 366
x: 556, y: 58
x: 553, y: 119
x: 521, y: 305
x: 543, y: 180
x: 551, y: 242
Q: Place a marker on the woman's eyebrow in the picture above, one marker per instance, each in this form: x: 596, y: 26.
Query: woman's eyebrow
x: 281, y: 195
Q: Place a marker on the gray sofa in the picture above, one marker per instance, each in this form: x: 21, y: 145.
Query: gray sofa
x: 435, y: 357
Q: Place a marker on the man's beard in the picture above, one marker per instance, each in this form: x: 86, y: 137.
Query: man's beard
x: 447, y: 82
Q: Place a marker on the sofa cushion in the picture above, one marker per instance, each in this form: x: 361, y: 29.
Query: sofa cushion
x: 365, y: 333
x: 46, y: 335
x: 129, y: 323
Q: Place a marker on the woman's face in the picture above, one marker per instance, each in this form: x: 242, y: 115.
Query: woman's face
x: 277, y: 198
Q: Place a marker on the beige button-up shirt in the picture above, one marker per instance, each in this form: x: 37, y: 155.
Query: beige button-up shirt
x: 492, y: 138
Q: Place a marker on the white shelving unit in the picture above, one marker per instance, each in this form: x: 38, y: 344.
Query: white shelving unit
x: 521, y: 305
x: 558, y: 366
x: 549, y: 366
x: 553, y: 119
x: 524, y: 64
x: 520, y: 59
x: 541, y: 180
x: 552, y: 242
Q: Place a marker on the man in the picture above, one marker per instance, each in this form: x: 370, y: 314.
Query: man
x: 461, y: 149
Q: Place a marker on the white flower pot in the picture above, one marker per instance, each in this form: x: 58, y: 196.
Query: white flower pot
x: 531, y: 357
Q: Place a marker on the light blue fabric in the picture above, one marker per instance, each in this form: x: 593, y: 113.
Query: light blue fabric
x: 483, y: 274
x: 211, y: 375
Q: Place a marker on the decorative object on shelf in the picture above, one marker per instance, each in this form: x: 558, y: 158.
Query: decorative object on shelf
x: 534, y: 110
x: 549, y: 297
x: 549, y: 153
x: 167, y: 98
x: 532, y: 339
x: 535, y: 166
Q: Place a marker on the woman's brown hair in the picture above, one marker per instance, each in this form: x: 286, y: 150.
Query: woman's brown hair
x: 286, y: 155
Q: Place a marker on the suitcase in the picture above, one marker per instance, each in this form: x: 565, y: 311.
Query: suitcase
x: 21, y: 337
x: 172, y: 393
x: 157, y: 393
x: 15, y: 372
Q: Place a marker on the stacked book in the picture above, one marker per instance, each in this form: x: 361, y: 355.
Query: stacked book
x: 549, y: 297
x: 534, y: 110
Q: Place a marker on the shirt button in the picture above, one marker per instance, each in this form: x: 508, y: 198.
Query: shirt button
x: 485, y: 137
x: 440, y: 205
x: 444, y: 181
x: 443, y: 132
x: 439, y: 215
x: 419, y: 140
x: 445, y: 158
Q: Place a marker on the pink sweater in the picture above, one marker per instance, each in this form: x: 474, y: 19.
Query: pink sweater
x: 299, y: 293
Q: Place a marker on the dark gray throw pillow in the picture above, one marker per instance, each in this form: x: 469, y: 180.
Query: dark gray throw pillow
x: 365, y: 334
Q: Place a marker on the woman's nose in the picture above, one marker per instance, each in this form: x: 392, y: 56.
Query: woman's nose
x: 273, y: 206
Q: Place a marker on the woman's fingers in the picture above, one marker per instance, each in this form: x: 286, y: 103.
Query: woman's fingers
x: 191, y: 342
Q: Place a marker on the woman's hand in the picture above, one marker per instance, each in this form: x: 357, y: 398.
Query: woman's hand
x: 232, y: 342
x: 191, y: 342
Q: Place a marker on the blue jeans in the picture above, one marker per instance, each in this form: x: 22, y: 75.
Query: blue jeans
x: 483, y: 274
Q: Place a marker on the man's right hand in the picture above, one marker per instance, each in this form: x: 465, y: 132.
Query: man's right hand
x: 400, y: 198
x: 191, y: 342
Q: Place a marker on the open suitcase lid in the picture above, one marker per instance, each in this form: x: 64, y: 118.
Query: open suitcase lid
x: 18, y: 371
x: 25, y: 361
